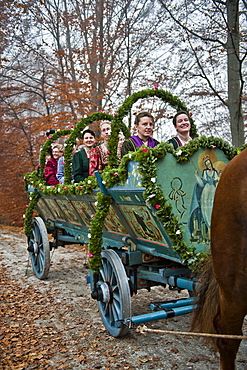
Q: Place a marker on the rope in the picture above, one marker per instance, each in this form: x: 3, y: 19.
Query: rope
x: 143, y: 329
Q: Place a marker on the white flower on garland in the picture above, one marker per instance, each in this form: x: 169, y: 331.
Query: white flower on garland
x: 89, y: 236
x: 103, y: 182
x: 89, y: 182
x: 65, y: 144
x: 96, y: 203
x: 153, y: 179
x: 179, y: 152
x: 178, y: 232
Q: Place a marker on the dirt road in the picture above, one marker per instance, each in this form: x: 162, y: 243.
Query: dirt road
x: 54, y: 324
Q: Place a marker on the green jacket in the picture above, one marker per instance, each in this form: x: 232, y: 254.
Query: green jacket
x: 80, y: 166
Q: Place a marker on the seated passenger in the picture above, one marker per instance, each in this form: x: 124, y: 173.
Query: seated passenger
x: 181, y: 122
x: 60, y: 170
x: 50, y: 170
x: 144, y: 125
x: 99, y: 154
x: 80, y: 161
x: 60, y: 164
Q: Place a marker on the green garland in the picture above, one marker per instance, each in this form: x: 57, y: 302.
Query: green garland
x: 115, y: 173
x: 147, y: 159
x: 34, y: 198
x: 95, y: 231
x: 47, y: 146
x: 117, y: 123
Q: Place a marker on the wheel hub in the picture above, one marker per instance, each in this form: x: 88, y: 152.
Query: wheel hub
x: 103, y: 293
x: 33, y: 247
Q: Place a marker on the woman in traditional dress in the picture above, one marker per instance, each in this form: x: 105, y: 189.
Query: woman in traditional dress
x: 80, y: 161
x: 181, y: 122
x: 99, y: 154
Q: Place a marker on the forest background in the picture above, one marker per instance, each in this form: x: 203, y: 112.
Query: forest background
x: 61, y: 60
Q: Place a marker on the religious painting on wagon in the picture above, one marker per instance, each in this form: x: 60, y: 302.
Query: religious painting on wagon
x: 207, y: 175
x: 190, y: 188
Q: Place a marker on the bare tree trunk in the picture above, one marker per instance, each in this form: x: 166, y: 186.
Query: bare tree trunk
x: 235, y: 85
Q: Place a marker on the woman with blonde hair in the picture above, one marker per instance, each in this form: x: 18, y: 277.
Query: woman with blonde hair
x: 51, y: 165
x: 99, y: 154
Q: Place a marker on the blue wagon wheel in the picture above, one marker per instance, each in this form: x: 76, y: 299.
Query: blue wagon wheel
x: 39, y: 249
x: 116, y: 302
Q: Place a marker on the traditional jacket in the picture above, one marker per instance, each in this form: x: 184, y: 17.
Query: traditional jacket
x: 132, y: 144
x: 50, y: 172
x: 176, y: 142
x: 80, y: 166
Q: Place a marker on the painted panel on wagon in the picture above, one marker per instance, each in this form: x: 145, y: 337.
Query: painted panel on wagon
x: 190, y: 188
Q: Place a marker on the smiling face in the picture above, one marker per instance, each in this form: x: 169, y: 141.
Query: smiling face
x: 105, y: 131
x: 56, y: 153
x: 88, y: 140
x: 145, y: 128
x: 182, y: 124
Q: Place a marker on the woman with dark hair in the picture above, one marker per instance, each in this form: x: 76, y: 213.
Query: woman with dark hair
x: 80, y: 161
x: 181, y: 122
x: 144, y: 125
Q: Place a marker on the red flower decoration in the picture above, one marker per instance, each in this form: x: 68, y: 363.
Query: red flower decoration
x: 72, y: 126
x: 63, y: 163
x: 213, y: 147
x: 114, y: 114
x: 65, y: 188
x: 191, y: 114
x: 90, y: 255
x: 80, y: 187
x: 144, y: 150
x: 156, y: 87
x: 38, y: 166
x: 115, y: 174
x: 107, y: 152
x: 157, y: 206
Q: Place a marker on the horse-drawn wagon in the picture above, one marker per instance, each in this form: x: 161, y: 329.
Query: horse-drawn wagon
x: 146, y: 220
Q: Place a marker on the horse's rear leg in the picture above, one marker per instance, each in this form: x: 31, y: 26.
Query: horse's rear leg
x: 230, y: 322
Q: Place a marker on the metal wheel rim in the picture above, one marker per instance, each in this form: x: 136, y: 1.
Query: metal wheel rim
x: 40, y: 258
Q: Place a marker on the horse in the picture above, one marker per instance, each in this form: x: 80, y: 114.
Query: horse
x: 222, y: 296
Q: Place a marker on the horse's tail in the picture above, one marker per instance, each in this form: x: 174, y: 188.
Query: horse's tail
x: 208, y: 303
